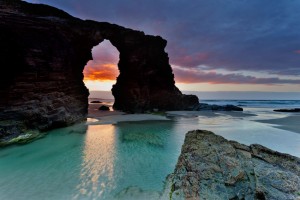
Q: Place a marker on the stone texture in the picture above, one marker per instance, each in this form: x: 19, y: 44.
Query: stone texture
x: 43, y: 54
x: 95, y: 102
x: 213, y: 107
x: 211, y: 167
x: 104, y: 108
x: 288, y: 110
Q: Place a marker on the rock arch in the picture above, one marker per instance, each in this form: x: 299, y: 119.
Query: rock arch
x: 146, y: 80
x: 43, y: 53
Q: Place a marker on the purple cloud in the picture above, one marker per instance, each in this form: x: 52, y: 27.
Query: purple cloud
x: 251, y: 35
x: 196, y: 76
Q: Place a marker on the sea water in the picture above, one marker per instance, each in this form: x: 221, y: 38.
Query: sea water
x: 128, y: 160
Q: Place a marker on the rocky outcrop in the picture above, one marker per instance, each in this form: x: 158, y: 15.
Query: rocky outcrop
x: 95, y: 102
x: 288, y: 110
x: 43, y: 54
x: 211, y: 167
x: 103, y: 108
x: 213, y: 107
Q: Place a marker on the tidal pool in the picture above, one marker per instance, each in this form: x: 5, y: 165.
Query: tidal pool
x: 127, y: 160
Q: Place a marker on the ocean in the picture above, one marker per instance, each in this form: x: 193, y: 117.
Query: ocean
x: 273, y: 104
x: 130, y: 160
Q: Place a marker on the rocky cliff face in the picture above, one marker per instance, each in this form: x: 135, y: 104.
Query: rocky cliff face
x: 211, y: 167
x: 43, y: 53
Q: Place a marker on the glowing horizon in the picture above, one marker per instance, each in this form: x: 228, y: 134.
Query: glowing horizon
x: 211, y: 47
x: 101, y: 73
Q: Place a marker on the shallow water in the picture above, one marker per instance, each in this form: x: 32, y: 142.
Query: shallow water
x: 122, y: 161
x: 94, y: 161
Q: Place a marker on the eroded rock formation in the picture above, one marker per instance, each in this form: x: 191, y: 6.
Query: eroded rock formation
x: 288, y: 110
x: 43, y: 53
x: 211, y: 167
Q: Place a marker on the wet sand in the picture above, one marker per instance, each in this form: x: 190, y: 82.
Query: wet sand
x: 289, y: 123
x: 93, y: 111
x: 237, y: 114
x: 112, y: 117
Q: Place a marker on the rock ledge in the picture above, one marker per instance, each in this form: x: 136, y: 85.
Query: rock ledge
x: 211, y: 167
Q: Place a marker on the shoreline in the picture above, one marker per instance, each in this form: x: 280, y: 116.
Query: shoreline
x: 97, y: 117
x: 233, y: 149
x: 113, y: 117
x: 289, y: 123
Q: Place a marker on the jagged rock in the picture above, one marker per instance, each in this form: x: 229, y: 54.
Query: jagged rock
x: 96, y: 102
x: 288, y: 110
x: 44, y: 51
x: 23, y: 138
x: 103, y: 108
x: 205, y: 106
x: 211, y: 167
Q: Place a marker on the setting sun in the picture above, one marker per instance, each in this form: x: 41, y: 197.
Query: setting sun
x: 101, y: 72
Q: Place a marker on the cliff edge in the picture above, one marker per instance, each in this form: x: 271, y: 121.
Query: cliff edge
x: 43, y: 54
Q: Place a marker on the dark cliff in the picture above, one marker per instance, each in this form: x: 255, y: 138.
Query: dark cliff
x: 43, y: 54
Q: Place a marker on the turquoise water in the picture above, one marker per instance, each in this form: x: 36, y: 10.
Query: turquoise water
x: 128, y: 160
x: 91, y: 161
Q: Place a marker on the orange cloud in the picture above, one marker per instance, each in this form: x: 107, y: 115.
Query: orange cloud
x: 101, y: 72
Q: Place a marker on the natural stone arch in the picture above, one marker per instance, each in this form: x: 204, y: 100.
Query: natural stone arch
x: 44, y: 53
x: 146, y: 80
x: 101, y: 73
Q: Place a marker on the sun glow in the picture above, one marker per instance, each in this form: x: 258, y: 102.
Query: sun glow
x: 101, y: 72
x: 99, y: 85
x: 98, y: 161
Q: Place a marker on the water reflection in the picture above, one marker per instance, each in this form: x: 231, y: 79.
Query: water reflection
x: 98, y: 162
x: 128, y: 159
x: 147, y: 152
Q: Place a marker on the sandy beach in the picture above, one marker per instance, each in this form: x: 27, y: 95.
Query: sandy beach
x: 289, y: 123
x: 207, y: 113
x: 113, y: 117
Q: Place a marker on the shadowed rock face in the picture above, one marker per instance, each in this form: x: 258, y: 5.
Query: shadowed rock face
x: 43, y: 53
x: 211, y: 167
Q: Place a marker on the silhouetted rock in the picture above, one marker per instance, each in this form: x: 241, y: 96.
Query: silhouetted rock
x: 104, y: 108
x: 288, y: 110
x: 43, y: 54
x: 211, y: 167
x: 96, y: 102
x: 205, y: 106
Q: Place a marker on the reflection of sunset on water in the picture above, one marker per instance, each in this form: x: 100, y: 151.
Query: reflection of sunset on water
x: 98, y: 161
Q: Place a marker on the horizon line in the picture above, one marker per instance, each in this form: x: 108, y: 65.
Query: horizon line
x: 215, y: 91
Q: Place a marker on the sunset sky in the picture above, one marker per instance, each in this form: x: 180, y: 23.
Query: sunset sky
x: 213, y: 45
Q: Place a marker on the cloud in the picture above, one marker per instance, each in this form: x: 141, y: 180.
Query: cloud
x: 102, y: 72
x: 182, y: 58
x: 251, y: 35
x: 103, y: 67
x: 196, y: 76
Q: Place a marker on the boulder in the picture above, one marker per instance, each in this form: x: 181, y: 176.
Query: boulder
x: 95, y: 102
x: 103, y: 108
x: 213, y: 107
x: 288, y: 110
x: 211, y: 167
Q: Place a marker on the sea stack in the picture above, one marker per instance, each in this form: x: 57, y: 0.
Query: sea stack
x: 44, y: 51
